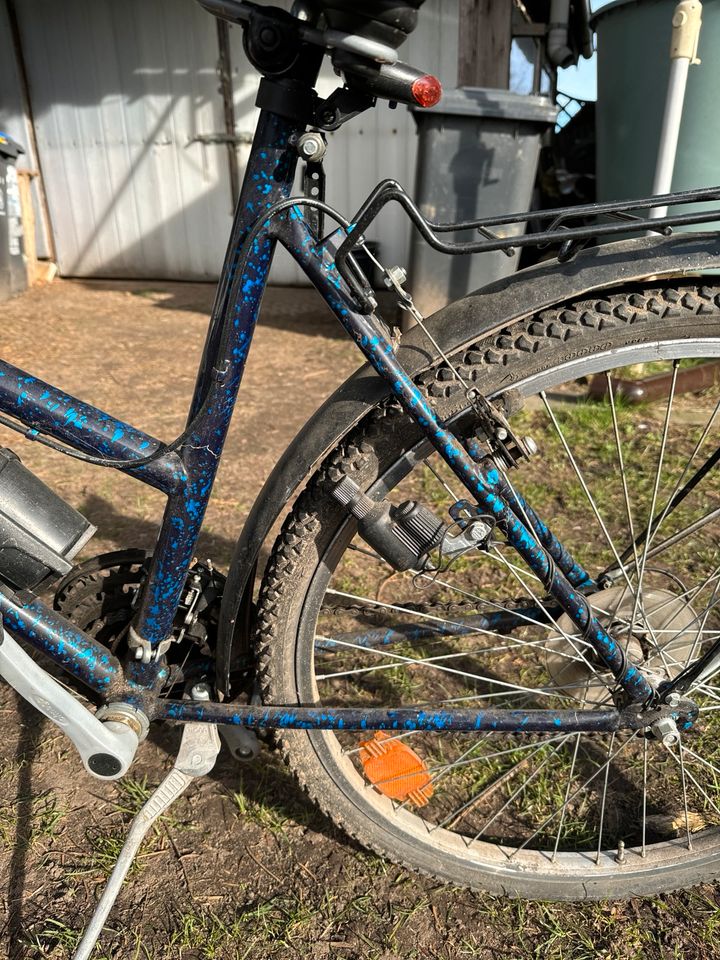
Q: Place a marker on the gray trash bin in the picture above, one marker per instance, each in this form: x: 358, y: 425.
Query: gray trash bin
x: 477, y: 157
x: 13, y: 271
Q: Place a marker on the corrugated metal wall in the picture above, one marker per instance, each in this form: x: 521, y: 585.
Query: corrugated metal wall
x: 119, y: 93
x: 14, y: 120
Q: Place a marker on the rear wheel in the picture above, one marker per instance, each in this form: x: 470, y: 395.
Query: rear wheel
x: 552, y: 816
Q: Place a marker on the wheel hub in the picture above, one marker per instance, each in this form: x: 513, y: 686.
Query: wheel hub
x: 665, y: 633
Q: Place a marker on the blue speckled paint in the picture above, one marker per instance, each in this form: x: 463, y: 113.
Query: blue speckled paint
x: 575, y: 573
x: 499, y: 622
x: 319, y: 718
x: 44, y: 408
x: 269, y: 178
x: 318, y: 262
x: 187, y: 477
x: 65, y: 644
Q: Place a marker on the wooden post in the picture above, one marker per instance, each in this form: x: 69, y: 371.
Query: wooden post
x: 38, y: 271
x: 484, y: 43
x: 28, y: 223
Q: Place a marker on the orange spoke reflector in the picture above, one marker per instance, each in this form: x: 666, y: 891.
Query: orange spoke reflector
x: 394, y: 769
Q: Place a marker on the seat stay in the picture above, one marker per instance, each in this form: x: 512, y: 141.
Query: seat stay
x: 483, y: 480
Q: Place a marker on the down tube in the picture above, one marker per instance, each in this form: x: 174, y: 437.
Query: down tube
x: 317, y: 260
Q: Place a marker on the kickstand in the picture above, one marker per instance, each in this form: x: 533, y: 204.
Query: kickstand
x: 199, y: 748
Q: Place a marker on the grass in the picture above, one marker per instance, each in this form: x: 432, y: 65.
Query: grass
x: 483, y: 927
x: 365, y: 908
x: 551, y: 486
x: 57, y: 940
x: 262, y: 814
x: 103, y: 844
x: 279, y: 922
x: 37, y: 816
x: 53, y: 937
x: 133, y: 794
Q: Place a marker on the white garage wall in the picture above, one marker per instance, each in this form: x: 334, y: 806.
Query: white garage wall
x: 120, y: 91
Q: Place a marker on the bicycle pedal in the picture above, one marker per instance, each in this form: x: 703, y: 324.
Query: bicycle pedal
x: 395, y: 769
x: 198, y: 751
x: 241, y: 742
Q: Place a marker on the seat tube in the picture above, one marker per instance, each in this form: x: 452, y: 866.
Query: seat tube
x: 269, y: 178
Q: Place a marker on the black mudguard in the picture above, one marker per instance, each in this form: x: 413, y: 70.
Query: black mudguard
x: 480, y: 313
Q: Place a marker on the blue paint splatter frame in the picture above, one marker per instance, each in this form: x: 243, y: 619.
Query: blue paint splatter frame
x: 186, y: 476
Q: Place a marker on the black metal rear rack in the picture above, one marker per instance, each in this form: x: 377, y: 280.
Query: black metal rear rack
x: 558, y: 226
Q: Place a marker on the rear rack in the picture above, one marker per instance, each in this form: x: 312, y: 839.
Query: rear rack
x: 550, y: 226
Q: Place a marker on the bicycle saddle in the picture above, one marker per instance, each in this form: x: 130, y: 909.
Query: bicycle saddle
x: 386, y: 21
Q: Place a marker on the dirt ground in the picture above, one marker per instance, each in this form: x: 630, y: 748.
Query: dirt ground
x: 243, y: 866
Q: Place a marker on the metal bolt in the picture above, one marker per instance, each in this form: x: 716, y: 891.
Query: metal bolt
x: 530, y: 446
x: 311, y: 146
x: 673, y: 699
x: 620, y: 855
x: 501, y: 433
x: 201, y: 691
x: 396, y: 276
x: 666, y: 731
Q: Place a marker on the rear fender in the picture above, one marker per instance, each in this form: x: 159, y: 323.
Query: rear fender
x: 540, y: 287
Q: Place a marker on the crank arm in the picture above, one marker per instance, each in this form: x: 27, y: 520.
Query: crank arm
x: 106, y: 748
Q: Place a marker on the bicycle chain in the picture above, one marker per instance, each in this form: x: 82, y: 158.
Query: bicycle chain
x: 444, y: 610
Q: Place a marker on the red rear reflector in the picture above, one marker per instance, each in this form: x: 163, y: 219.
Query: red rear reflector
x: 427, y: 90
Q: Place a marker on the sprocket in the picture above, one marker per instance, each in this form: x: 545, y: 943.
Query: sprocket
x: 101, y: 597
x: 100, y: 594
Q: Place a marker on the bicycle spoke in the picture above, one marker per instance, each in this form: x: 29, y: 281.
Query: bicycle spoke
x: 705, y: 615
x: 604, y: 800
x: 585, y: 488
x: 571, y: 791
x: 433, y: 666
x: 656, y: 487
x: 451, y: 493
x: 582, y: 787
x: 685, y: 800
x: 356, y: 671
x: 689, y: 775
x: 566, y: 636
x: 523, y: 786
x: 682, y: 476
x: 623, y: 473
x: 567, y: 793
x: 464, y: 761
x: 453, y: 818
x: 644, y: 798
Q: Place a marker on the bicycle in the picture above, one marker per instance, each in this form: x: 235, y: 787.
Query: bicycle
x: 456, y: 686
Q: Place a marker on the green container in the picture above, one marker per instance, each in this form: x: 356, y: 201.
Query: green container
x: 633, y: 43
